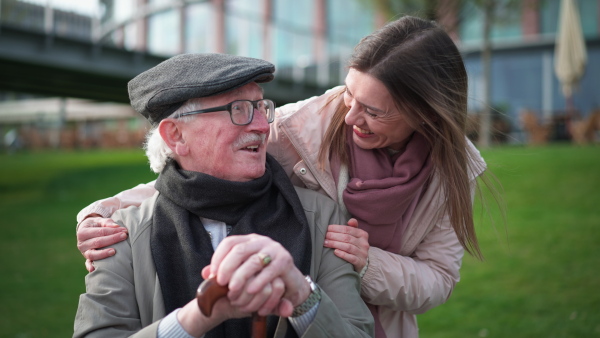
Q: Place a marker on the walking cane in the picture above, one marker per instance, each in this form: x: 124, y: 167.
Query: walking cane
x: 208, y: 294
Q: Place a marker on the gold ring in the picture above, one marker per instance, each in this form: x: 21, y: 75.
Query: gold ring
x: 265, y: 259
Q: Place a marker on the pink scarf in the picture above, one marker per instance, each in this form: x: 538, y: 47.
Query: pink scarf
x: 384, y: 191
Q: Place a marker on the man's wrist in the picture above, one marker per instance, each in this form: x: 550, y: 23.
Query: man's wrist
x: 313, y: 298
x: 193, y: 321
x: 170, y: 327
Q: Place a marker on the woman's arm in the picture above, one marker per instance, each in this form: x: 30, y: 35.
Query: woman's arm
x: 106, y: 207
x: 425, y: 276
x: 95, y: 231
x: 418, y: 283
x: 420, y: 278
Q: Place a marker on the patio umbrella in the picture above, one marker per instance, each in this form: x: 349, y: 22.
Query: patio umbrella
x: 570, y: 53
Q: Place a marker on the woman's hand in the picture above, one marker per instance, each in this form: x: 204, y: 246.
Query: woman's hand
x: 350, y: 243
x: 96, y: 232
x: 238, y: 263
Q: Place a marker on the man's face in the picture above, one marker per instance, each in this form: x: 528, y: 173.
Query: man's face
x: 221, y: 149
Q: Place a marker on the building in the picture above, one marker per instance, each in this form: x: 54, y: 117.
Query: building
x: 523, y: 77
x: 309, y: 42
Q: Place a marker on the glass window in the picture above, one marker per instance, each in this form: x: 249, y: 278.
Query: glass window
x: 244, y: 36
x: 550, y: 13
x: 507, y: 22
x: 549, y: 16
x: 254, y: 7
x: 292, y: 48
x: 347, y: 29
x: 292, y: 35
x: 163, y: 33
x: 294, y: 14
x: 199, y: 28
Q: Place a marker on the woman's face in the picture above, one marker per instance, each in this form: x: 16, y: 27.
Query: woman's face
x: 375, y: 120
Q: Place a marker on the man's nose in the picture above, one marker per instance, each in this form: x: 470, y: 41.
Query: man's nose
x: 259, y: 122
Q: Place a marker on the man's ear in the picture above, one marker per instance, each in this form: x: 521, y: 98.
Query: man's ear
x: 171, y: 133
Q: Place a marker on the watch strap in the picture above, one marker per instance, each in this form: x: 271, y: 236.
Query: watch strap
x: 312, y: 300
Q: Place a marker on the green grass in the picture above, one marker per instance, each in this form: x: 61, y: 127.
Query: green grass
x: 539, y: 279
x: 40, y: 267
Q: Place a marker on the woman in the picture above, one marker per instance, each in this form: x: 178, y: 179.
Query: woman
x: 390, y: 147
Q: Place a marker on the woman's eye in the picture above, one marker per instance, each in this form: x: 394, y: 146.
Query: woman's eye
x: 371, y: 114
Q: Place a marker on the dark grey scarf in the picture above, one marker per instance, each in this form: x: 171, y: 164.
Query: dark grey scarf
x: 181, y: 246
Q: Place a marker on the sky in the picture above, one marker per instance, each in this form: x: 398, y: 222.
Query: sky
x: 86, y: 7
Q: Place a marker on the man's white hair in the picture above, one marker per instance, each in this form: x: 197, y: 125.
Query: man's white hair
x: 156, y: 148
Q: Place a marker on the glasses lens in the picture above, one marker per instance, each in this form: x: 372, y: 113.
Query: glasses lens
x: 267, y: 108
x: 241, y: 112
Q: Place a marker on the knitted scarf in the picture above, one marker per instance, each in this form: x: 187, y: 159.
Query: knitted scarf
x: 181, y: 247
x: 384, y: 191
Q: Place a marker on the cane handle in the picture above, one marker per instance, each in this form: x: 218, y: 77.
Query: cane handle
x: 209, y: 292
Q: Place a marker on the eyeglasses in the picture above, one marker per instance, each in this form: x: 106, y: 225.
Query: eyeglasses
x: 241, y: 111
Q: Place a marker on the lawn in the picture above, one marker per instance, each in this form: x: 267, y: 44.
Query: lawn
x: 539, y: 278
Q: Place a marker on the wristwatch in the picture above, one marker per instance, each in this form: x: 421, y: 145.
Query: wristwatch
x: 313, y: 298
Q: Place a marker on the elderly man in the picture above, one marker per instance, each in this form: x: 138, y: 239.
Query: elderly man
x: 223, y: 207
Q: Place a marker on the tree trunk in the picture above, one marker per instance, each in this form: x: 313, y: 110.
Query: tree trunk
x: 486, y: 58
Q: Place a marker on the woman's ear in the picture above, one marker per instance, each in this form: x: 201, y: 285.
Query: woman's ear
x: 171, y: 133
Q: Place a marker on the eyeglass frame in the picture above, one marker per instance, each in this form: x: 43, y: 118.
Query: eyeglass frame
x: 227, y: 108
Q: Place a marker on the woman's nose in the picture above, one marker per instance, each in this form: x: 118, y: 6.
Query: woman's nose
x: 353, y: 115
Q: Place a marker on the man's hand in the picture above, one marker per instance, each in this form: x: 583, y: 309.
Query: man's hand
x: 96, y: 232
x: 350, y: 243
x: 237, y: 263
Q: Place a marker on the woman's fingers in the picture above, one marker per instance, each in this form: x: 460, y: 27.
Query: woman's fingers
x: 89, y: 247
x: 89, y: 265
x: 353, y: 222
x: 346, y: 238
x: 96, y: 232
x: 96, y: 255
x: 349, y: 242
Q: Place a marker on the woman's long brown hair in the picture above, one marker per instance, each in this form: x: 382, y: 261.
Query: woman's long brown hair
x: 425, y: 74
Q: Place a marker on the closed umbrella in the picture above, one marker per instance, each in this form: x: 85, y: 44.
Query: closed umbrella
x: 570, y: 53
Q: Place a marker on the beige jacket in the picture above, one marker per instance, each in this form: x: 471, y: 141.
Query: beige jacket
x: 419, y: 279
x: 426, y: 271
x: 123, y: 296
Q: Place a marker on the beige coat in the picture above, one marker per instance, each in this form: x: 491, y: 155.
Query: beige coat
x: 123, y: 295
x: 425, y: 272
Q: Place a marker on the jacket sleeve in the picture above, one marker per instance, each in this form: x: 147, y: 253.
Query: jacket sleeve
x: 109, y: 307
x: 106, y: 207
x: 420, y: 281
x: 341, y: 312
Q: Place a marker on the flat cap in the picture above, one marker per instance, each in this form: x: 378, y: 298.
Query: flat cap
x: 161, y: 90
